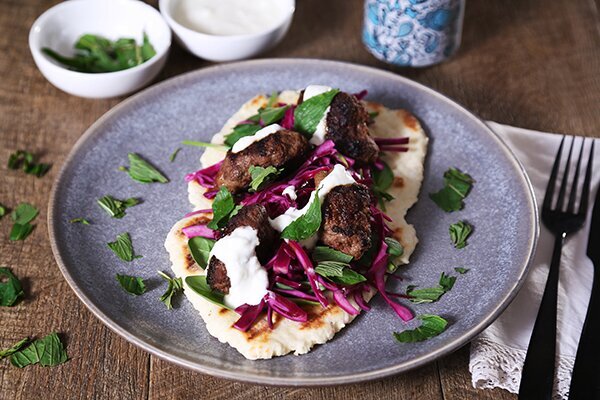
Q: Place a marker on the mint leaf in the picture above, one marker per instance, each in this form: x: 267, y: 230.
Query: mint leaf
x: 447, y: 282
x: 48, y: 352
x: 240, y: 131
x: 395, y: 249
x: 199, y: 285
x: 426, y: 295
x: 200, y: 249
x: 339, y: 272
x: 306, y: 225
x: 461, y: 270
x: 273, y: 99
x: 24, y: 213
x: 223, y: 208
x: 456, y: 187
x: 174, y: 154
x: 16, y: 347
x: 10, y: 288
x: 261, y: 176
x: 270, y: 115
x: 25, y: 160
x: 175, y: 285
x: 132, y: 284
x: 308, y: 114
x: 82, y: 221
x: 142, y: 171
x: 115, y: 207
x: 20, y: 231
x: 431, y: 325
x: 382, y: 181
x: 324, y: 253
x: 3, y: 211
x: 123, y: 247
x: 205, y: 144
x: 459, y: 232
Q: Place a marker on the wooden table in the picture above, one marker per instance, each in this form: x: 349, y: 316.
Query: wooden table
x: 531, y: 63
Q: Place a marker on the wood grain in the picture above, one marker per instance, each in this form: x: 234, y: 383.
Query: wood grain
x: 531, y: 63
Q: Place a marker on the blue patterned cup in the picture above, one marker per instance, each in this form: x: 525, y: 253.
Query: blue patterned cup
x: 413, y: 33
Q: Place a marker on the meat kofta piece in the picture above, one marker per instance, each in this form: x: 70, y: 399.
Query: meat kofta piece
x: 254, y: 216
x: 282, y: 149
x: 347, y: 126
x: 347, y: 226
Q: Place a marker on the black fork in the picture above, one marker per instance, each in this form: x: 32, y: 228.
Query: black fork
x: 538, y: 371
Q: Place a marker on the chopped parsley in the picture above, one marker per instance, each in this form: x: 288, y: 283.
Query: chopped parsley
x: 175, y: 285
x: 123, y: 247
x: 10, y: 288
x: 48, y: 352
x: 459, y: 232
x: 431, y: 325
x: 456, y: 187
x: 142, y: 171
x: 132, y: 284
x: 115, y: 207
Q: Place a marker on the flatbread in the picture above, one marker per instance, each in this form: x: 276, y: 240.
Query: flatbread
x: 260, y: 341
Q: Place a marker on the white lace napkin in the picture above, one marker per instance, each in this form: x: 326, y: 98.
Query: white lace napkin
x: 497, y: 355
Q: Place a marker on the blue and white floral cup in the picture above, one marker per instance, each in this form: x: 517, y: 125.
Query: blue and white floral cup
x: 413, y: 33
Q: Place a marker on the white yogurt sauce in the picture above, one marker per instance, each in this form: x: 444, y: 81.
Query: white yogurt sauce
x: 337, y: 177
x: 311, y: 91
x: 249, y: 279
x: 230, y: 17
x: 291, y: 192
x: 246, y: 141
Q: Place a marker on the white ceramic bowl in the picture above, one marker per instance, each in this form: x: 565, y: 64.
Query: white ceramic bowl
x: 226, y: 47
x: 60, y: 27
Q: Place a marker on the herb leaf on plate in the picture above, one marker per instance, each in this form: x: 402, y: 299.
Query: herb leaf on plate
x: 142, y: 171
x: 174, y: 154
x: 14, y: 348
x: 133, y: 285
x: 324, y: 253
x: 261, y: 176
x: 115, y: 207
x: 240, y: 131
x: 432, y: 294
x: 223, y: 208
x: 459, y: 232
x: 382, y: 181
x: 395, y: 249
x: 79, y: 220
x: 199, y: 285
x: 339, y: 272
x: 308, y: 114
x: 461, y: 270
x: 306, y: 225
x: 10, y: 290
x: 457, y: 186
x: 175, y: 285
x: 123, y: 247
x: 447, y: 282
x: 48, y: 352
x: 200, y: 248
x: 431, y: 325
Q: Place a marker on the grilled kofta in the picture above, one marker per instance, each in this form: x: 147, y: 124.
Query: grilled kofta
x: 254, y: 216
x: 282, y: 149
x: 346, y: 226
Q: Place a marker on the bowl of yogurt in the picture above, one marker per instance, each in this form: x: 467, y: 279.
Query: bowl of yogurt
x: 226, y: 30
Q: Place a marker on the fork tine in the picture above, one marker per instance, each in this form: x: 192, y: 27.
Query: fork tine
x: 563, y: 184
x: 586, y: 183
x: 552, y: 181
x: 573, y: 195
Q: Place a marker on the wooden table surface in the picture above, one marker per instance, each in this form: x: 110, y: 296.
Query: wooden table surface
x: 531, y: 63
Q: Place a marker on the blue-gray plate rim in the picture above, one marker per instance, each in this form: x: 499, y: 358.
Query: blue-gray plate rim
x: 267, y: 375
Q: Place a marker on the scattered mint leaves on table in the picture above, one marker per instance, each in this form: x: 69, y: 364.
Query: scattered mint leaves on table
x: 10, y: 288
x: 459, y: 232
x: 261, y: 176
x: 457, y: 186
x: 115, y: 207
x: 175, y: 285
x: 22, y: 216
x: 142, y: 171
x: 307, y: 224
x: 223, y: 208
x: 26, y: 161
x: 308, y: 114
x: 123, y: 247
x: 132, y: 284
x: 48, y: 352
x: 14, y: 348
x: 200, y: 248
x: 431, y: 326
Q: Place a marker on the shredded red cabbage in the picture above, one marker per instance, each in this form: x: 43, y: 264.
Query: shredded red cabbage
x: 205, y: 211
x: 205, y: 177
x: 286, y: 307
x: 248, y: 314
x: 310, y: 271
x: 362, y: 94
x: 199, y: 230
x: 288, y: 118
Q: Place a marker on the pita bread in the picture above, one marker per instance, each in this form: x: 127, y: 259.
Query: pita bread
x: 261, y: 342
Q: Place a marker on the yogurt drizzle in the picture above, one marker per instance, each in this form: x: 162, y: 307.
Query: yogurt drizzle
x: 246, y: 141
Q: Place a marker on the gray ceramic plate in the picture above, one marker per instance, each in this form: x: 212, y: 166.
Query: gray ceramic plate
x: 194, y: 106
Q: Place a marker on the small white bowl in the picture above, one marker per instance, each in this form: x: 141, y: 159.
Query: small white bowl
x: 226, y: 47
x: 60, y: 26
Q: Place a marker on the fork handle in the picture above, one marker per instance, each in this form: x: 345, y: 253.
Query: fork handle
x: 538, y: 371
x: 585, y: 383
